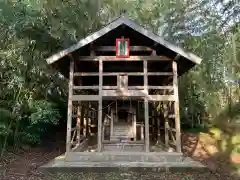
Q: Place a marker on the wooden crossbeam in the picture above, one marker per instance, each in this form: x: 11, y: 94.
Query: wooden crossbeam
x: 132, y: 48
x: 126, y: 73
x: 131, y: 58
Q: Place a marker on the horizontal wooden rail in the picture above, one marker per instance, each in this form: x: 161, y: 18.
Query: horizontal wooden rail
x: 160, y: 87
x: 123, y: 73
x: 85, y: 98
x: 160, y: 73
x: 85, y: 87
x: 113, y: 48
x: 130, y: 58
x: 86, y: 74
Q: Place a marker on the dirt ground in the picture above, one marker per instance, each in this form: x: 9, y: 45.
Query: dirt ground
x: 23, y: 165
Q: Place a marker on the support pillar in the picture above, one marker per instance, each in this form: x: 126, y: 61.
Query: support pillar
x: 176, y: 107
x: 146, y: 110
x: 111, y: 123
x: 69, y: 118
x: 100, y: 107
x: 146, y: 115
x: 78, y: 123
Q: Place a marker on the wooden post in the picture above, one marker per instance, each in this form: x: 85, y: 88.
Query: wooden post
x: 134, y: 125
x: 142, y: 134
x: 158, y: 130
x: 78, y: 124
x: 166, y: 129
x: 100, y: 106
x: 89, y: 119
x: 146, y: 124
x: 85, y: 123
x: 69, y: 119
x: 146, y: 112
x: 112, y: 117
x: 176, y: 107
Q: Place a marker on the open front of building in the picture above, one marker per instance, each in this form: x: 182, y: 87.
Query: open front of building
x: 123, y: 94
x: 128, y: 104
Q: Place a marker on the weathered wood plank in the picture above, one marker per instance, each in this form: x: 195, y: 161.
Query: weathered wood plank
x: 160, y: 97
x: 166, y: 127
x: 123, y: 73
x: 126, y: 93
x: 78, y: 126
x: 146, y: 114
x: 85, y: 97
x: 113, y: 48
x: 161, y: 87
x: 69, y: 118
x: 110, y: 87
x: 160, y: 73
x: 100, y: 106
x: 86, y: 74
x: 136, y: 87
x: 85, y: 87
x: 176, y: 107
x: 131, y: 58
x: 146, y: 110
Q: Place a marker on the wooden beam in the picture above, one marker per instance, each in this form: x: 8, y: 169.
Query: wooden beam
x: 112, y: 116
x: 85, y: 87
x: 176, y: 106
x: 160, y: 73
x: 113, y: 48
x: 160, y: 97
x: 146, y: 117
x: 78, y: 123
x: 125, y: 73
x: 131, y: 58
x: 70, y: 95
x: 161, y: 87
x: 166, y: 127
x: 85, y: 97
x: 134, y: 125
x: 86, y: 74
x: 136, y: 87
x: 100, y: 106
x: 110, y: 87
x: 125, y: 93
x: 146, y: 110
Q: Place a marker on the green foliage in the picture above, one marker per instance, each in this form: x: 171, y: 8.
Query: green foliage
x: 42, y: 116
x: 43, y: 112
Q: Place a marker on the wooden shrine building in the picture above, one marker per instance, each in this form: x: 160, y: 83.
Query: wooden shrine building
x: 123, y: 93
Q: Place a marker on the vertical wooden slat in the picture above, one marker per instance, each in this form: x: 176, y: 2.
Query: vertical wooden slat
x: 166, y: 128
x: 142, y: 134
x: 158, y: 130
x: 78, y: 124
x: 134, y: 125
x: 88, y: 118
x: 176, y: 107
x: 100, y: 107
x: 112, y: 117
x: 70, y: 93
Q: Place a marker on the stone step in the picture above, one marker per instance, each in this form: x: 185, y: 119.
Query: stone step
x: 60, y: 165
x: 124, y: 156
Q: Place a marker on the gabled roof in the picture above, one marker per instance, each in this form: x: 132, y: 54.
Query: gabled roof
x: 123, y: 20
